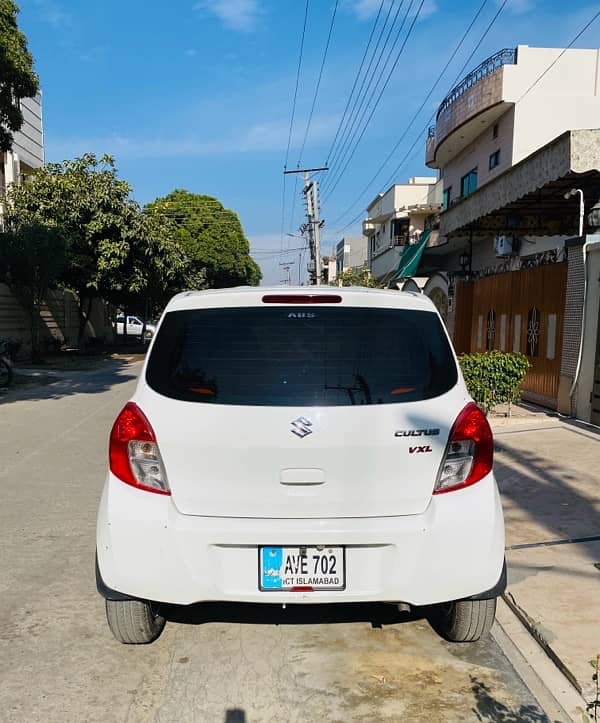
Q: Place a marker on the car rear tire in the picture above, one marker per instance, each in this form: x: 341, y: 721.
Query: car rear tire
x: 464, y: 621
x: 134, y: 622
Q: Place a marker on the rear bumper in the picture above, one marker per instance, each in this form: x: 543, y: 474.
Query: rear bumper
x: 147, y: 549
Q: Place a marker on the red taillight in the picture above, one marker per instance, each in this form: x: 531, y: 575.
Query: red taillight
x: 133, y: 452
x: 470, y: 453
x: 302, y: 299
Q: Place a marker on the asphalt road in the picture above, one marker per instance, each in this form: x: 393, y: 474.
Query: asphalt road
x: 221, y: 663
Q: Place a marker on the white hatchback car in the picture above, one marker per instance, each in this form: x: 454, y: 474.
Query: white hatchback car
x: 301, y: 446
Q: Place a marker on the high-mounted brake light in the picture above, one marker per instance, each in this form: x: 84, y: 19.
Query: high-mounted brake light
x: 134, y: 456
x: 302, y: 299
x: 470, y: 453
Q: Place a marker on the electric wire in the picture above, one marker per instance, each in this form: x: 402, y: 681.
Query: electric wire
x: 379, y: 97
x: 369, y: 74
x: 564, y: 50
x: 312, y: 109
x: 318, y: 86
x: 416, y: 114
x: 349, y: 132
x: 289, y: 141
x: 419, y: 138
x: 356, y: 77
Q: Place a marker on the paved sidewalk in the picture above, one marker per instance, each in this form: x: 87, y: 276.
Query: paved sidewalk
x: 548, y: 470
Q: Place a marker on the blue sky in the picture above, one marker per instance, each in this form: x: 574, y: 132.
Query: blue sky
x: 197, y: 94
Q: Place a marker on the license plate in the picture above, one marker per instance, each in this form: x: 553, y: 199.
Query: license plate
x: 302, y: 568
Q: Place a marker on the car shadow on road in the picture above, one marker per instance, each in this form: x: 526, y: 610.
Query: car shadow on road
x: 376, y: 614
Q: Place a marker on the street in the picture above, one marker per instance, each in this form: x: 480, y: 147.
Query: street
x: 222, y: 663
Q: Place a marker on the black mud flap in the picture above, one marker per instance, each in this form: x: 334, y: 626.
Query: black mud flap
x: 495, y: 591
x: 106, y: 592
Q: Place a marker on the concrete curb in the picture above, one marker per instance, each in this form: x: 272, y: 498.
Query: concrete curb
x: 543, y: 673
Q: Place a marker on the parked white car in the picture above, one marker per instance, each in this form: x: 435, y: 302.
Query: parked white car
x: 301, y: 446
x: 135, y: 326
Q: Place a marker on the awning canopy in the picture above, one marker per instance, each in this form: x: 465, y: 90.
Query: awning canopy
x: 529, y: 197
x: 410, y: 259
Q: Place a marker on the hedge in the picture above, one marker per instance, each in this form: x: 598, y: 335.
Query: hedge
x: 494, y: 377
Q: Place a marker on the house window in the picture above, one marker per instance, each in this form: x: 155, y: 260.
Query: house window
x: 446, y: 198
x: 468, y: 183
x: 495, y: 131
x: 494, y: 159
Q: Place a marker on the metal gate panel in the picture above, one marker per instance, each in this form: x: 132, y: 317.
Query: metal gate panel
x: 524, y: 311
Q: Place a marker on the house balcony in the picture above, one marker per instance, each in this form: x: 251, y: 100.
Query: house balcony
x: 471, y: 106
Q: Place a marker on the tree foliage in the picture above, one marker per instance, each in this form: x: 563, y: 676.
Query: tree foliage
x: 113, y: 250
x: 494, y: 377
x: 212, y: 237
x: 356, y: 278
x: 16, y: 71
x: 32, y: 256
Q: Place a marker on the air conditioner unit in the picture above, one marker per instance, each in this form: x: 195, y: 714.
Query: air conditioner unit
x: 503, y: 245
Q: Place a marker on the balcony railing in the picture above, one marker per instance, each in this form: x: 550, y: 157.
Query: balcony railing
x: 508, y: 56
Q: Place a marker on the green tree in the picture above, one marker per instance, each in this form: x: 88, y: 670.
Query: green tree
x: 212, y: 237
x: 113, y: 250
x: 356, y: 278
x: 32, y: 256
x: 16, y: 70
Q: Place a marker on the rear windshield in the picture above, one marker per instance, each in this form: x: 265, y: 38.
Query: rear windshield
x: 288, y: 356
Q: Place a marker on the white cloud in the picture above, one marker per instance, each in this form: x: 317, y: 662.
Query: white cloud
x: 260, y: 137
x: 518, y: 7
x: 240, y: 15
x: 51, y: 12
x: 367, y: 9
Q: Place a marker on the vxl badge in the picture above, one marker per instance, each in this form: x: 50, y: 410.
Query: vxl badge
x: 301, y: 427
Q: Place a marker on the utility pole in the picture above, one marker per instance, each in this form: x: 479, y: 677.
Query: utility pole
x: 312, y: 228
x: 287, y: 265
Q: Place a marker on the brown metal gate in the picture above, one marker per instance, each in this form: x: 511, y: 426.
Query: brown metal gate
x: 520, y: 311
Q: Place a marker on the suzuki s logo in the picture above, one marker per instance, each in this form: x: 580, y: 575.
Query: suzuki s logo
x: 301, y: 427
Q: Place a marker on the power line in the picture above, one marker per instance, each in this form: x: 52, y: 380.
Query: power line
x: 349, y: 132
x: 570, y: 45
x: 380, y: 96
x: 416, y: 115
x: 359, y: 99
x: 424, y: 131
x: 458, y: 77
x: 312, y: 110
x: 287, y: 152
x: 314, y: 101
x: 362, y: 62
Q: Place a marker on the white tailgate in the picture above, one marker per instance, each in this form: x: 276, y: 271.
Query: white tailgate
x: 245, y: 461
